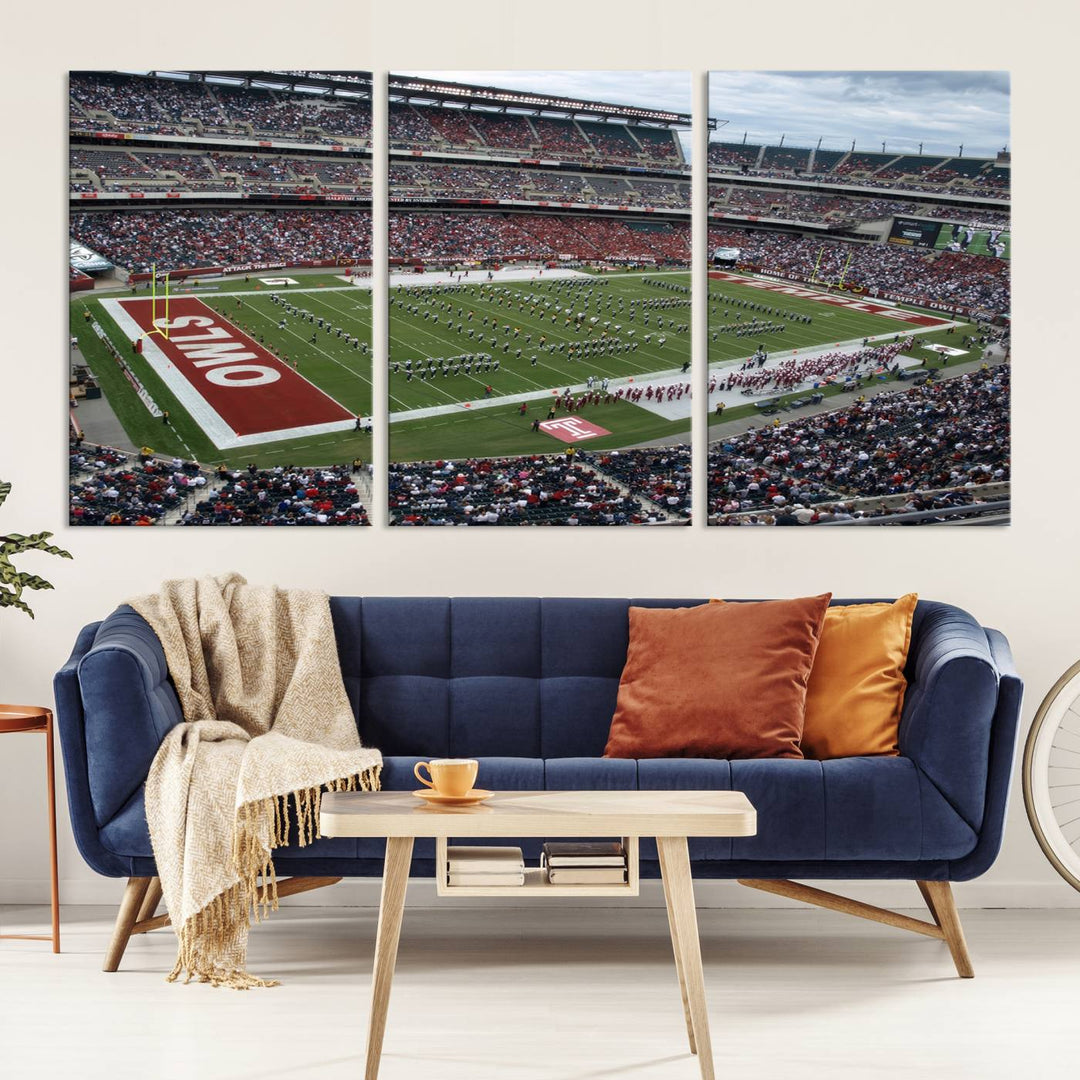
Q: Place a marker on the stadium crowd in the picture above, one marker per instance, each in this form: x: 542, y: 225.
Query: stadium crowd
x: 661, y: 474
x: 425, y: 126
x: 108, y: 487
x: 410, y: 179
x: 172, y: 106
x: 971, y: 281
x: 120, y: 170
x: 910, y: 172
x: 285, y: 495
x: 948, y: 436
x: 482, y: 236
x: 175, y: 238
x: 531, y: 490
x: 800, y: 206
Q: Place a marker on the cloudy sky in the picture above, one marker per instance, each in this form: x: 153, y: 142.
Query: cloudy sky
x: 940, y: 109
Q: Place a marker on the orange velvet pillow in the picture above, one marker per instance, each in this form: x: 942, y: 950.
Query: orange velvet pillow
x: 856, y: 690
x: 857, y: 687
x: 717, y: 680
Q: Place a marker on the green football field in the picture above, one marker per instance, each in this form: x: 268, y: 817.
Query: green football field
x: 829, y: 324
x: 331, y: 363
x: 527, y: 308
x: 609, y: 326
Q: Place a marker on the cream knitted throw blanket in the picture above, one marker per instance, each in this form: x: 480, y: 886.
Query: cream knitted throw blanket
x: 267, y: 724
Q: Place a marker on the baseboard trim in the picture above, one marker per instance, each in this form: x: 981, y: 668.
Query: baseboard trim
x: 364, y: 893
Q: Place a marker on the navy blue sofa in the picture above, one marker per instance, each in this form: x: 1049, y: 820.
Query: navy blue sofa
x: 528, y: 686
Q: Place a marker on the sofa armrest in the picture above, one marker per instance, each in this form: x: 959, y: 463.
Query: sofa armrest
x: 69, y: 727
x: 1003, y: 742
x: 950, y: 705
x: 129, y: 705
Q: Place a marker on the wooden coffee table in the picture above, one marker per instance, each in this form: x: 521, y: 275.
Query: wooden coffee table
x: 669, y: 816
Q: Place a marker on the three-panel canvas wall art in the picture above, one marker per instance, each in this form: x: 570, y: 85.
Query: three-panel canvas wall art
x: 545, y: 358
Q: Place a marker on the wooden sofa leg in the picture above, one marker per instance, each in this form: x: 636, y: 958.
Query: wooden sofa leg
x: 939, y: 899
x: 134, y: 894
x: 937, y: 894
x: 150, y: 902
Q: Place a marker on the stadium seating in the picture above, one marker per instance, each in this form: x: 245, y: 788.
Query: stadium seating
x: 409, y: 126
x: 178, y: 238
x: 533, y: 490
x: 436, y: 235
x: 913, y: 172
x: 942, y: 437
x: 283, y: 496
x: 909, y: 165
x: 506, y: 132
x: 660, y: 474
x: 969, y: 281
x: 861, y: 162
x: 119, y: 170
x: 561, y: 138
x: 611, y: 141
x: 826, y: 160
x: 480, y: 132
x: 411, y: 179
x: 785, y: 158
x: 109, y: 487
x: 110, y: 101
x: 742, y: 155
x: 657, y: 143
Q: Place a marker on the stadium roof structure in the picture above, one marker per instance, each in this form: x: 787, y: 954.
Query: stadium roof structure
x: 351, y: 84
x: 423, y: 91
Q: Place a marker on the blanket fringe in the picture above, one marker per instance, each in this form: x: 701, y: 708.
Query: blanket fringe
x: 213, y: 942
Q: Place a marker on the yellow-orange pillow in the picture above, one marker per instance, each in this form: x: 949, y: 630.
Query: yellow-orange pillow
x: 856, y: 689
x: 723, y: 681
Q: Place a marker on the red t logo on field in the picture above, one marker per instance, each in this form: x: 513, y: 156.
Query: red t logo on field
x: 572, y: 429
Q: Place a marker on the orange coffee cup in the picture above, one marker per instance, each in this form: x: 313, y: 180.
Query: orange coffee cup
x: 449, y: 776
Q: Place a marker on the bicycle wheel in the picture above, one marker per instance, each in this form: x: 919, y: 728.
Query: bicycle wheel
x: 1052, y: 776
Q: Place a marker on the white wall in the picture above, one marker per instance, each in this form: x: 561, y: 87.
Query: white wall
x: 1020, y: 579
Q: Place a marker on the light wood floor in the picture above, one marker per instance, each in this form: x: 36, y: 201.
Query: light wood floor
x: 553, y: 992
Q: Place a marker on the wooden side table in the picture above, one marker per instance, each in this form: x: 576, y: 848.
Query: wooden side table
x: 34, y: 718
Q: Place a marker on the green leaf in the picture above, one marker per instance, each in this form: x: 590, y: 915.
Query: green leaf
x: 8, y: 600
x: 12, y: 580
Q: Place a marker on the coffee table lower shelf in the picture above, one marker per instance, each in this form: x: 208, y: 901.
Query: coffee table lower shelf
x: 536, y: 882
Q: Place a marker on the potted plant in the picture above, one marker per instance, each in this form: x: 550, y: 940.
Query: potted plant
x: 13, y: 581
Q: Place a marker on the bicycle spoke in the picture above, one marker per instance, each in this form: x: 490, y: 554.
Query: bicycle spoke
x: 1052, y: 772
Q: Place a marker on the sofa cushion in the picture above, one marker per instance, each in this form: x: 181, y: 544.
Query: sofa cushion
x: 856, y: 691
x: 590, y: 774
x: 479, y: 677
x: 127, y: 834
x: 719, y: 681
x: 687, y: 774
x: 848, y: 809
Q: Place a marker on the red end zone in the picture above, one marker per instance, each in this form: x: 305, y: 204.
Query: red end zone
x: 237, y: 390
x: 854, y: 303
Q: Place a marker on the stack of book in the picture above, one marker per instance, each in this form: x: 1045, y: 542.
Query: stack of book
x: 485, y: 866
x: 591, y: 863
